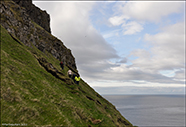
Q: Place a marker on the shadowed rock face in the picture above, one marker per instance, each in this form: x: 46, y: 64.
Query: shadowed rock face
x: 42, y: 18
x: 16, y: 20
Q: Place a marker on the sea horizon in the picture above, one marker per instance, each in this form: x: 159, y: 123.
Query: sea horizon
x: 150, y: 109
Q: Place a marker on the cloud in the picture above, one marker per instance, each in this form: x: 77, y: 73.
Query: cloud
x: 131, y: 28
x: 110, y: 34
x: 167, y: 52
x: 148, y: 11
x: 124, y: 60
x: 180, y: 75
x: 165, y: 55
x: 168, y: 47
x: 139, y: 90
x: 118, y: 20
x: 132, y: 15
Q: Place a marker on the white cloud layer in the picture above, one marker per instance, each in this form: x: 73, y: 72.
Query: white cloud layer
x: 127, y: 12
x: 118, y: 20
x: 139, y: 90
x: 131, y: 28
x: 166, y: 54
x: 148, y: 10
x: 168, y: 47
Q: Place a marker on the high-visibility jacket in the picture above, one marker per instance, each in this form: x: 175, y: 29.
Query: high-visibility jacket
x: 77, y: 78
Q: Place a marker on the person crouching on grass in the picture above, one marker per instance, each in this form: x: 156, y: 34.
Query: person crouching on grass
x: 69, y: 73
x: 77, y: 79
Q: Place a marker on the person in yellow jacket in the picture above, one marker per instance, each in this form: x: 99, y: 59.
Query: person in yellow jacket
x: 77, y: 79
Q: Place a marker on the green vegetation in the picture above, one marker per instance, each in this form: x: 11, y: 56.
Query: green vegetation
x: 33, y: 96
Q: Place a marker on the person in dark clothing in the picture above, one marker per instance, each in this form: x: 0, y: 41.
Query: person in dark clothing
x: 73, y: 77
x: 62, y: 65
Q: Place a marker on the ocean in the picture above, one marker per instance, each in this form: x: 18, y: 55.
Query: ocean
x: 151, y: 110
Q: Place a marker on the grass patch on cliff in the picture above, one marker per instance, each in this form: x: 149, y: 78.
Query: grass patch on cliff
x: 26, y: 87
x: 33, y: 96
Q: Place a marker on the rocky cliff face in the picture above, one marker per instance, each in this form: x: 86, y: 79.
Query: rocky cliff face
x: 19, y: 22
x: 40, y: 17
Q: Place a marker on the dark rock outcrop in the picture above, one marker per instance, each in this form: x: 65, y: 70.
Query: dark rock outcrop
x: 19, y: 24
x: 40, y: 17
x: 51, y: 69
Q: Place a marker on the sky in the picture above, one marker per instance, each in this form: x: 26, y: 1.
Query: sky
x: 124, y: 47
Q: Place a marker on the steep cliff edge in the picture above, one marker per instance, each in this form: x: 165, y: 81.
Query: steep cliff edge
x: 17, y: 22
x: 40, y: 17
x: 34, y: 89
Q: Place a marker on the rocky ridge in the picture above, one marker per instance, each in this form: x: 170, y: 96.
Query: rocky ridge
x: 40, y: 17
x: 19, y: 23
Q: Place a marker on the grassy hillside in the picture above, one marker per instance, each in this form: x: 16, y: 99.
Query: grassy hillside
x: 31, y: 95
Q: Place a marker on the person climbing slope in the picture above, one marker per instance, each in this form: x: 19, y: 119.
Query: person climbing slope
x: 77, y: 79
x: 62, y: 65
x: 73, y: 77
x: 69, y: 73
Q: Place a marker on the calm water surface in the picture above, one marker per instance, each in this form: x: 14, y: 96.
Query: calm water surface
x: 151, y: 110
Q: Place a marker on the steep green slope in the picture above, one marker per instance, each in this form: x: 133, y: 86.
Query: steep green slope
x: 32, y: 94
